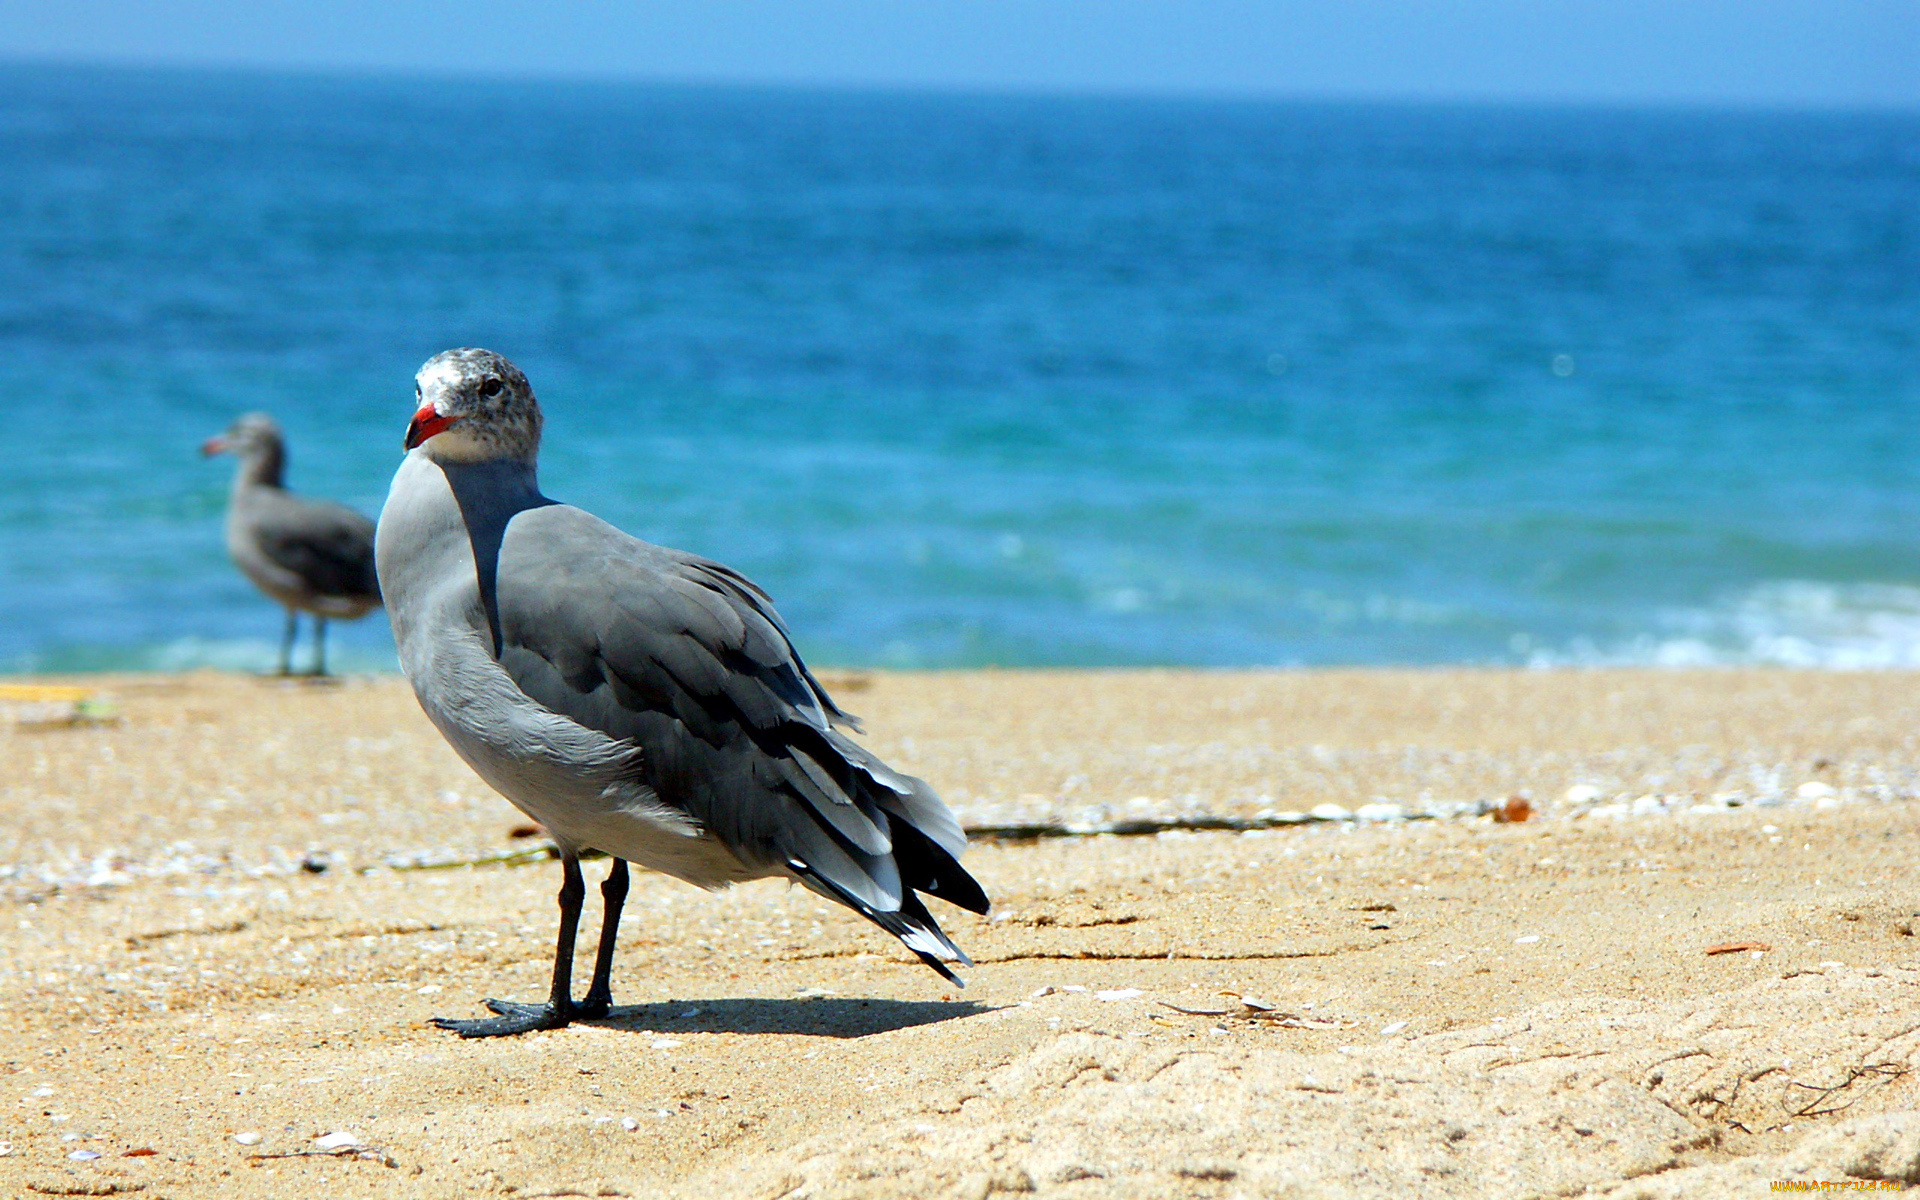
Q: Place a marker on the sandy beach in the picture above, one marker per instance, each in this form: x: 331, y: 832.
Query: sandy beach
x: 232, y: 906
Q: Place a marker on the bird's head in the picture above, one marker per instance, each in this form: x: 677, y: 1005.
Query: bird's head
x: 474, y: 405
x: 251, y: 435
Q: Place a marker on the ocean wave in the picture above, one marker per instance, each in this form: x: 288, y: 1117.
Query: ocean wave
x: 1786, y: 623
x: 201, y: 653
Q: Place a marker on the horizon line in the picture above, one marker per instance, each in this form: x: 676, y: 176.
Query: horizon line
x: 1034, y: 91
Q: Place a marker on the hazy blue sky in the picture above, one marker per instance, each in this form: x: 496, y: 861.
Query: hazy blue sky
x: 1796, y: 52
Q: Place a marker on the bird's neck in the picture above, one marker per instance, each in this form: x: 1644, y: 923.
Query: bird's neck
x: 494, y: 488
x: 264, y: 467
x: 490, y: 494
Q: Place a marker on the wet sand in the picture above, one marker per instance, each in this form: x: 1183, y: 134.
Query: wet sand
x: 231, y: 912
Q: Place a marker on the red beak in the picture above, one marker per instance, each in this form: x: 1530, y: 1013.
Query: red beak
x: 213, y: 446
x: 425, y: 424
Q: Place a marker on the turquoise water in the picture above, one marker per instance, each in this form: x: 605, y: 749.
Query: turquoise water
x: 969, y: 380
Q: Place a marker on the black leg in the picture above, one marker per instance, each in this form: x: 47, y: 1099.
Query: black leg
x: 558, y: 1010
x: 286, y: 643
x: 613, y: 892
x: 319, y: 647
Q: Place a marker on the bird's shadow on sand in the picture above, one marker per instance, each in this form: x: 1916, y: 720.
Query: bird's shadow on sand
x: 820, y: 1016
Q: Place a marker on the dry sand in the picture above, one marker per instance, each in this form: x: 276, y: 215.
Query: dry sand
x: 1454, y: 1007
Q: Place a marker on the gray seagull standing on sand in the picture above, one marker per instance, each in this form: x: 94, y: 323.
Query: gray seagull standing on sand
x: 312, y: 556
x: 633, y: 699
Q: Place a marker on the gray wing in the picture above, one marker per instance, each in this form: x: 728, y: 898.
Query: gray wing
x: 329, y: 546
x: 688, y: 661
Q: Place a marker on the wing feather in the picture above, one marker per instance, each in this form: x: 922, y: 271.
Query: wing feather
x: 330, y: 547
x: 688, y: 661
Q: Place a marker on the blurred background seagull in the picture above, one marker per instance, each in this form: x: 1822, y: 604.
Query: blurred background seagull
x: 631, y: 698
x: 312, y: 556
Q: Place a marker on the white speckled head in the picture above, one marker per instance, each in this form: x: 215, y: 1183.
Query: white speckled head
x: 474, y: 406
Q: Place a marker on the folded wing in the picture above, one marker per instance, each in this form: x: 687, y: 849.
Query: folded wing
x: 330, y: 547
x: 688, y: 661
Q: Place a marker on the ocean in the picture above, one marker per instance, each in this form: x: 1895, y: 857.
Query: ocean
x: 967, y: 379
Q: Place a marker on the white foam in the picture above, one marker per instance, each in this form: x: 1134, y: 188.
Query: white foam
x: 1788, y: 623
x: 253, y: 654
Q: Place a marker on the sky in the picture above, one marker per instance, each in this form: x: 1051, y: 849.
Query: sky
x: 1792, y: 53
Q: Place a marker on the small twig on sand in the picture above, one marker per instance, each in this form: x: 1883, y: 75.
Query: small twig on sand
x: 1251, y: 1009
x: 547, y: 851
x: 369, y: 1153
x: 1738, y: 948
x: 1147, y: 828
x: 1886, y: 1072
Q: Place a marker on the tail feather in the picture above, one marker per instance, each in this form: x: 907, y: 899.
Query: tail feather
x: 926, y: 866
x: 876, y: 835
x: 904, y: 796
x: 912, y: 924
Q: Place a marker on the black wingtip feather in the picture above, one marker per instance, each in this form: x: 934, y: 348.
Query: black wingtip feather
x: 912, y: 918
x: 925, y: 866
x: 941, y: 967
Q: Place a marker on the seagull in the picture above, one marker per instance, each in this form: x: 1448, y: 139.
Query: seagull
x: 632, y: 699
x: 312, y: 556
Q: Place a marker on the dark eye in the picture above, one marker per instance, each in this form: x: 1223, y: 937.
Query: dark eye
x: 490, y: 387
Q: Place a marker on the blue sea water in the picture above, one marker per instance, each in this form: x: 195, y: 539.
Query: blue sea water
x: 978, y: 379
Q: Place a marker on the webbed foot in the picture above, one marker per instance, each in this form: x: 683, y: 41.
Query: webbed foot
x: 513, y: 1018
